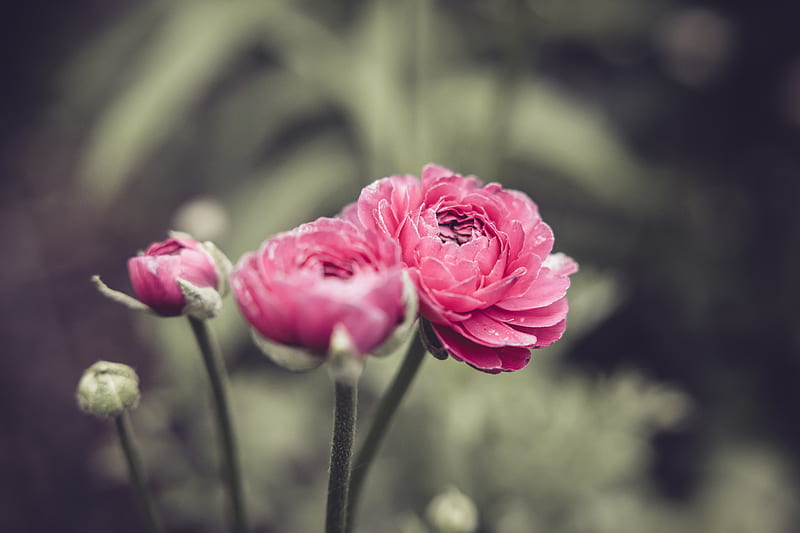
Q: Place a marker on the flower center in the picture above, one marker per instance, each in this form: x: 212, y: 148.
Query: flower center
x: 328, y: 265
x: 458, y: 228
x: 336, y: 270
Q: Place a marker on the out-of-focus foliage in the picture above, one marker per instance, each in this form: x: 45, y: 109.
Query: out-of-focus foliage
x: 408, y: 98
x: 535, y: 447
x: 280, y: 111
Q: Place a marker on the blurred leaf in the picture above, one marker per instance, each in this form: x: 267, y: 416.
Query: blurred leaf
x: 551, y: 130
x: 194, y: 44
x: 594, y: 19
x: 253, y: 116
x: 380, y: 50
x: 281, y: 196
x: 748, y: 489
x: 105, y: 63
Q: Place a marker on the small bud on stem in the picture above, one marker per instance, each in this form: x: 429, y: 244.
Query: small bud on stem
x: 108, y: 389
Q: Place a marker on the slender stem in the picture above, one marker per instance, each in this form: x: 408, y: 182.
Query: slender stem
x: 380, y: 424
x: 137, y: 474
x: 212, y: 358
x: 344, y: 429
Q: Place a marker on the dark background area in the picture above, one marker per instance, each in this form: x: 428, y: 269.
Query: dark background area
x: 711, y: 279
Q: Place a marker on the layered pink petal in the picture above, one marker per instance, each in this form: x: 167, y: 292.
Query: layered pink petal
x: 433, y: 172
x: 385, y: 203
x: 531, y: 318
x: 498, y: 290
x: 301, y: 284
x: 154, y: 274
x: 491, y: 360
x: 480, y: 256
x: 544, y: 291
x: 485, y: 330
x: 459, y: 303
x: 549, y: 335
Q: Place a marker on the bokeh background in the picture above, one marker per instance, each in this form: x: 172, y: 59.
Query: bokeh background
x: 659, y: 138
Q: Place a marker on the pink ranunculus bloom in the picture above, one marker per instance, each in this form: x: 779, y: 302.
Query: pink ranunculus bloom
x: 480, y: 256
x: 155, y: 274
x: 327, y: 275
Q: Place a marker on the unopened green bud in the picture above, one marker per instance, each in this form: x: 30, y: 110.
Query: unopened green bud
x: 108, y: 389
x: 453, y: 512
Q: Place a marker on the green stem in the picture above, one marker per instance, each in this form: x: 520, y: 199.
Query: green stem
x: 380, y: 424
x: 212, y: 358
x: 344, y: 429
x: 136, y: 473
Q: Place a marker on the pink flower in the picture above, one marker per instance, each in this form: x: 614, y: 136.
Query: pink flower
x: 302, y: 285
x: 480, y: 258
x: 157, y: 274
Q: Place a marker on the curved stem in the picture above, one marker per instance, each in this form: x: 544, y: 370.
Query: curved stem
x: 212, y: 358
x: 136, y: 473
x: 380, y: 424
x: 344, y: 429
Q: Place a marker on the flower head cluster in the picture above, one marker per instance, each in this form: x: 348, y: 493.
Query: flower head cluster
x: 480, y: 256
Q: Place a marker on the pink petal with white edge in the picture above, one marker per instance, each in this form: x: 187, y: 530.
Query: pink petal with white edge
x: 560, y: 264
x: 489, y: 257
x: 532, y: 318
x: 432, y: 172
x: 549, y: 335
x: 496, y: 291
x: 350, y: 213
x: 460, y: 303
x: 483, y: 329
x: 544, y: 291
x: 402, y: 193
x: 430, y: 308
x: 490, y: 360
x: 436, y: 274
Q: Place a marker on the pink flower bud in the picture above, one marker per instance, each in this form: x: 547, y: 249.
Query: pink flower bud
x: 324, y: 277
x: 155, y: 274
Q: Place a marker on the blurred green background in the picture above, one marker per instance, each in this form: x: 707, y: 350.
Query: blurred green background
x: 659, y: 138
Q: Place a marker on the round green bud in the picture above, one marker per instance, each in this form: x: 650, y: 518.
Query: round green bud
x: 108, y: 389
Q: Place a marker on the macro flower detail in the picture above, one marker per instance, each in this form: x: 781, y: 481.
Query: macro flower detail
x: 480, y: 256
x: 328, y: 281
x: 179, y: 276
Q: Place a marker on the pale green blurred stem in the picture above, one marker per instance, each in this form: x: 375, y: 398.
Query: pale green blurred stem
x: 212, y: 358
x: 136, y: 473
x: 380, y: 424
x: 344, y: 429
x: 422, y: 47
x: 507, y: 86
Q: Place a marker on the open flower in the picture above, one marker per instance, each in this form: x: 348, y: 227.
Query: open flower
x: 179, y: 276
x: 328, y: 279
x: 480, y: 256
